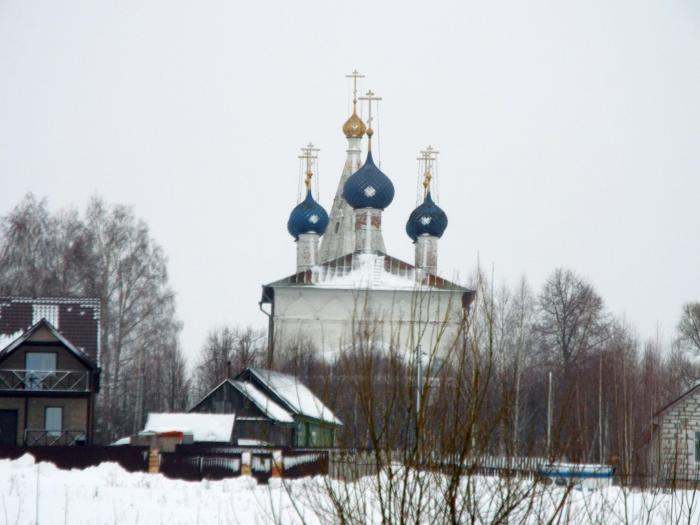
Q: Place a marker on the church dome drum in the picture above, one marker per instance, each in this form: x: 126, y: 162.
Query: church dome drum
x: 307, y: 217
x: 368, y: 187
x: 426, y: 219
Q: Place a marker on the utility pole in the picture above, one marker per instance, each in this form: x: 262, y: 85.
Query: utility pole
x: 419, y: 379
x: 549, y: 417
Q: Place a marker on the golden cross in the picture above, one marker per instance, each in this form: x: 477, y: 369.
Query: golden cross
x: 354, y: 76
x: 308, y: 154
x: 370, y: 97
x: 428, y: 156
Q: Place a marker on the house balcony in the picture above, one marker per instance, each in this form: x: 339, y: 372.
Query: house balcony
x: 48, y: 438
x: 44, y: 381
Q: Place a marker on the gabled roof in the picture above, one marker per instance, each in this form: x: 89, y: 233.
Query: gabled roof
x: 679, y: 398
x: 77, y: 318
x: 43, y: 323
x: 367, y: 271
x: 293, y: 394
x: 259, y: 399
x: 263, y: 402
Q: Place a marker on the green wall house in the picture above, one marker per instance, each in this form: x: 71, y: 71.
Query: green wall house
x: 272, y: 409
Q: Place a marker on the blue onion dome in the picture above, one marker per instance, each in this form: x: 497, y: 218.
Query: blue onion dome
x: 426, y: 219
x: 307, y: 217
x: 368, y: 187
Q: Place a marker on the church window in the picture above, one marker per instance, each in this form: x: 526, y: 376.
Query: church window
x: 337, y: 226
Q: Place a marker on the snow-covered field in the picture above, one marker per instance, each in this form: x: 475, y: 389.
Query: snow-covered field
x: 109, y: 495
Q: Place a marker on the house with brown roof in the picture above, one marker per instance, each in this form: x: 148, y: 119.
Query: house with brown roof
x: 49, y: 370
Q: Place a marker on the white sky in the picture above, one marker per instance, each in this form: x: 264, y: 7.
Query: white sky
x: 569, y: 133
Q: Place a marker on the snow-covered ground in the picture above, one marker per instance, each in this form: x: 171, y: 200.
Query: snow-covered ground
x: 108, y: 495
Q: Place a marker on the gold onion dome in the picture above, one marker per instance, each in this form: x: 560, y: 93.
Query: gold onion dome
x: 354, y: 128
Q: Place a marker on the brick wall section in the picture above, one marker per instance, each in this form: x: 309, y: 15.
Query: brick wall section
x: 676, y: 439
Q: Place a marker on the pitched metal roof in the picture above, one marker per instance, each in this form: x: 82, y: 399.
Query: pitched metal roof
x: 43, y: 323
x: 367, y: 271
x: 293, y: 394
x: 76, y: 318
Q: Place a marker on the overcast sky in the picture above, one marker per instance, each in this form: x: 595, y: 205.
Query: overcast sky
x: 569, y: 133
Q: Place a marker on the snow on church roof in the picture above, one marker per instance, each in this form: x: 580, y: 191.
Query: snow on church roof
x: 367, y: 270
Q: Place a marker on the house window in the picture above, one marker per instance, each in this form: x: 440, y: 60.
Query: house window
x: 697, y: 447
x: 53, y: 420
x: 301, y: 434
x: 314, y: 435
x: 44, y: 361
x: 39, y: 366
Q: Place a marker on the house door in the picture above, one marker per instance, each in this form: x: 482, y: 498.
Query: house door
x: 8, y: 427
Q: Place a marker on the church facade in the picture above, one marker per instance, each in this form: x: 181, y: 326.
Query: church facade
x: 347, y: 290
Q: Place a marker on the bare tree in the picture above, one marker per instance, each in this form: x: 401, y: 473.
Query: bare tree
x: 226, y: 351
x: 571, y: 316
x: 689, y: 327
x: 109, y: 254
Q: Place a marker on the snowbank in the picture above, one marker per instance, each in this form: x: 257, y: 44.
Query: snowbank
x: 107, y: 494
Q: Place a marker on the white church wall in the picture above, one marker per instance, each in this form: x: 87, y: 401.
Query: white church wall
x: 400, y: 318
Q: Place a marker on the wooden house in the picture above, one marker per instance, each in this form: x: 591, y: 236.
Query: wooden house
x: 47, y: 382
x: 272, y: 408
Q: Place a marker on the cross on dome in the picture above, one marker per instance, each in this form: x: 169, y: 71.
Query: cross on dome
x: 370, y: 97
x: 427, y: 156
x: 354, y: 127
x: 308, y: 154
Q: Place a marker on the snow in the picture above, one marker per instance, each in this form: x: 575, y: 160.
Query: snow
x: 252, y: 443
x: 104, y: 495
x: 296, y: 394
x: 7, y: 339
x: 203, y: 427
x: 367, y: 272
x: 264, y: 403
x: 122, y: 441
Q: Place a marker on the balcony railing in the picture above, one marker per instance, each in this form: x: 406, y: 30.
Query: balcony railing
x: 45, y: 381
x: 47, y: 438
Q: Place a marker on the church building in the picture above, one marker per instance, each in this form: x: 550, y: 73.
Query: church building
x: 346, y: 286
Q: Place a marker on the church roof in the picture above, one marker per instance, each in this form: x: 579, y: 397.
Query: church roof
x: 366, y: 271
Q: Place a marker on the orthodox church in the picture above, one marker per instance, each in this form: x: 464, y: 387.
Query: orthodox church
x: 347, y: 290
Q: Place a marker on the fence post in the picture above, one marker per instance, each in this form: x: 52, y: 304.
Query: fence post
x: 245, y: 464
x: 277, y: 465
x: 153, y: 460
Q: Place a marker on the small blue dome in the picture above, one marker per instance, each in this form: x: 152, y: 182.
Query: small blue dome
x: 368, y: 187
x: 426, y: 219
x: 307, y: 217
